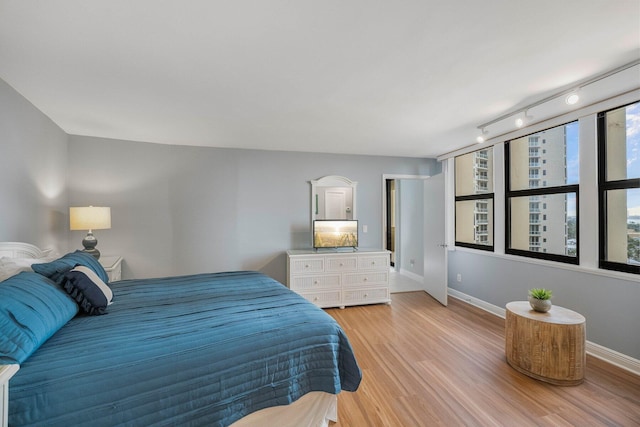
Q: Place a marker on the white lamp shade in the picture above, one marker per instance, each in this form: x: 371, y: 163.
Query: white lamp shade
x: 89, y: 218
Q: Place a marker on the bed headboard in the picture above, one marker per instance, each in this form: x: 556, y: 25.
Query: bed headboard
x: 20, y: 250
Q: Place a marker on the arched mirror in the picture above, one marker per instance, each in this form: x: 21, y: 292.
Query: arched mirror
x: 333, y: 197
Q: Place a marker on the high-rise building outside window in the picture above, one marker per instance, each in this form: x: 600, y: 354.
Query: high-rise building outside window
x: 619, y: 188
x: 542, y: 215
x: 474, y: 200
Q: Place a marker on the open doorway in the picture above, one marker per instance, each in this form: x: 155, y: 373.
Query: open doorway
x: 413, y: 230
x: 391, y: 219
x: 402, y: 213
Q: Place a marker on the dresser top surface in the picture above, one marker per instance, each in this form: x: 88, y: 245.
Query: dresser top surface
x: 294, y: 252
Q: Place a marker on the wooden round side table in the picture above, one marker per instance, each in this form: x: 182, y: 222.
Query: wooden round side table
x: 546, y: 346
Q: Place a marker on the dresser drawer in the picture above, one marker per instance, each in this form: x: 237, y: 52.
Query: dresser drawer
x: 307, y: 265
x: 365, y: 296
x: 324, y: 298
x: 342, y: 264
x: 306, y: 283
x: 372, y: 278
x: 373, y: 262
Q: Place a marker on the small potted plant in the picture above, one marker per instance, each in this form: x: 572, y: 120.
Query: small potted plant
x: 540, y: 299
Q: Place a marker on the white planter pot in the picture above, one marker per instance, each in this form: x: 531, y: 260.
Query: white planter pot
x: 541, y: 305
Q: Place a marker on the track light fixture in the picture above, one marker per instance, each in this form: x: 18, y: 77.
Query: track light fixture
x: 481, y: 138
x: 570, y: 96
x: 523, y: 118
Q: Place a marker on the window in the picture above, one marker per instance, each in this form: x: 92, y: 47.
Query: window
x: 542, y: 215
x: 619, y: 188
x: 474, y: 199
x: 534, y: 206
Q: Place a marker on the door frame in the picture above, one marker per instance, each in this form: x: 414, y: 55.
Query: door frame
x: 385, y: 177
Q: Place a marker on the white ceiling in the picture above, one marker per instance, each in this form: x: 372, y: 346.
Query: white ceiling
x: 399, y: 78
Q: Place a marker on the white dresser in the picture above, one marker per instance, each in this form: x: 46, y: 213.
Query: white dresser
x: 339, y: 279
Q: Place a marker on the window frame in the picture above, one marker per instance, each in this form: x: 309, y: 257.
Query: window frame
x: 605, y: 185
x: 476, y: 197
x: 537, y: 191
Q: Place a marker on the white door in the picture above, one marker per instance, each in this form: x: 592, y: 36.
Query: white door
x: 335, y: 204
x: 435, y: 251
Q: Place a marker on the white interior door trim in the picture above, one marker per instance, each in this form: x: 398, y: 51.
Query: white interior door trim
x: 385, y: 177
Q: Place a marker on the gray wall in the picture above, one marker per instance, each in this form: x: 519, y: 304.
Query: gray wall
x: 33, y: 167
x: 180, y: 209
x: 610, y: 305
x: 410, y: 195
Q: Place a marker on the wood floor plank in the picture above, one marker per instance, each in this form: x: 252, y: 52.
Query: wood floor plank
x: 428, y: 365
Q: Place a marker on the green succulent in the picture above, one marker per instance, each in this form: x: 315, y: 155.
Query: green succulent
x: 540, y: 293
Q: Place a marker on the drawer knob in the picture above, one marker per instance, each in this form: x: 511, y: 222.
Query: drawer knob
x: 341, y: 265
x: 365, y: 279
x: 315, y: 282
x: 373, y: 263
x: 315, y: 298
x: 306, y: 266
x: 366, y: 295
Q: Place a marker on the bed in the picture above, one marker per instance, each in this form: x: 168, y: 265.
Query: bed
x: 209, y: 349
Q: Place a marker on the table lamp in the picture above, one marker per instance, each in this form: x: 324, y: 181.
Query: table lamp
x: 90, y: 218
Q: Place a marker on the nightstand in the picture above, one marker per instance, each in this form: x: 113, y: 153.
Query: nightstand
x: 113, y: 266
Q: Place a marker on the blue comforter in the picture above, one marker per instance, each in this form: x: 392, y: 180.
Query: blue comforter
x: 194, y: 350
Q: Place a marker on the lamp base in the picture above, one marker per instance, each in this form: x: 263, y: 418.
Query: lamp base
x: 89, y: 243
x: 94, y: 252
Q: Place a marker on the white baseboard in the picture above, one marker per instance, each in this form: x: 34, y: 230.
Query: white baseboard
x: 611, y: 356
x: 596, y: 350
x: 494, y: 309
x: 412, y: 276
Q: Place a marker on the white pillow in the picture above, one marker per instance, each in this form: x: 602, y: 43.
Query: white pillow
x: 12, y: 266
x: 9, y: 268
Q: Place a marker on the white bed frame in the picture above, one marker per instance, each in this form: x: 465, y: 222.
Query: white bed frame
x: 313, y: 409
x: 20, y: 250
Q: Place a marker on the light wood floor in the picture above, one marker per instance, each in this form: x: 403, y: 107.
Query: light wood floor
x: 428, y: 365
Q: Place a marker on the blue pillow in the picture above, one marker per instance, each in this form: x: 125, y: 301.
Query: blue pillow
x: 55, y: 270
x: 90, y: 292
x: 32, y: 309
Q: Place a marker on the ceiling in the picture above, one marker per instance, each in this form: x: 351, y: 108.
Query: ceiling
x: 393, y: 78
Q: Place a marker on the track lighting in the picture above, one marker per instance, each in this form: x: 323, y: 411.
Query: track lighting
x: 521, y: 117
x: 572, y: 98
x: 481, y: 138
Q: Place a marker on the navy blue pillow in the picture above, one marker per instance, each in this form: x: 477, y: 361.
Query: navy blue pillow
x: 32, y: 309
x: 90, y: 292
x: 55, y: 270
